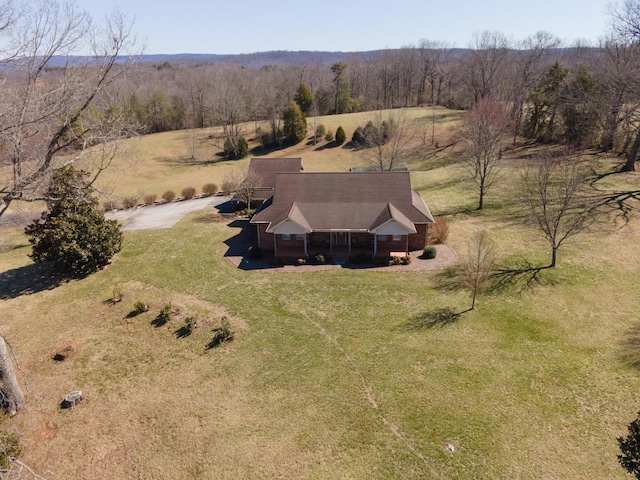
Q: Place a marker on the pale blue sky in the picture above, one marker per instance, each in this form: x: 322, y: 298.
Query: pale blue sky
x: 233, y: 26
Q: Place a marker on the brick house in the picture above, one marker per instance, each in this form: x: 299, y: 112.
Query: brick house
x: 342, y: 214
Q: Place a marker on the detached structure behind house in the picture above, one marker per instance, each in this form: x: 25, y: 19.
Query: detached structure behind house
x: 342, y: 214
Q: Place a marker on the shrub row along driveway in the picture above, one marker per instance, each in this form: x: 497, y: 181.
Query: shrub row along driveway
x: 165, y: 215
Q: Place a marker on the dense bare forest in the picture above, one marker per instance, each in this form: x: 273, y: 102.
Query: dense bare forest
x: 585, y: 96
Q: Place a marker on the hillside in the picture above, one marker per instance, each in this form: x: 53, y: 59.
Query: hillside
x: 343, y: 373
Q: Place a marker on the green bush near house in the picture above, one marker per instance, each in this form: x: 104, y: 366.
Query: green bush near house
x: 429, y: 252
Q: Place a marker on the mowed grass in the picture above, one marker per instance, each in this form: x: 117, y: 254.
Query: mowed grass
x: 336, y: 374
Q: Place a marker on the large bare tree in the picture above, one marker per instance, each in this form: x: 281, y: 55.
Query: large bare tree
x: 484, y: 63
x: 553, y: 190
x: 484, y: 131
x: 55, y: 108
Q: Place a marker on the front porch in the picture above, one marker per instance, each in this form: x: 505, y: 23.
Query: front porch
x: 337, y: 246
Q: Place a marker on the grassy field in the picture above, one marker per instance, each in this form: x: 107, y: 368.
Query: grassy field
x: 332, y: 374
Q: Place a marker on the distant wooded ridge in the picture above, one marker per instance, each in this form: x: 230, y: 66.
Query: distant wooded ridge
x: 262, y: 59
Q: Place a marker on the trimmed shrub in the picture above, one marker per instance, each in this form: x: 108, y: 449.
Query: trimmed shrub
x: 228, y: 186
x: 210, y: 189
x: 255, y: 253
x: 169, y: 196
x: 406, y: 260
x: 329, y: 136
x: 221, y: 334
x: 429, y: 252
x: 150, y: 199
x: 341, y: 137
x: 188, y: 193
x: 110, y: 205
x: 321, y: 131
x: 438, y: 232
x: 140, y: 307
x: 164, y: 316
x: 129, y: 202
x: 320, y: 259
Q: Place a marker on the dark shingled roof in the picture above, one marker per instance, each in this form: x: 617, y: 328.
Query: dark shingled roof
x: 267, y: 169
x: 344, y: 201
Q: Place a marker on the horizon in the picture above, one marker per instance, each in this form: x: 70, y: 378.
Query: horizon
x: 198, y: 28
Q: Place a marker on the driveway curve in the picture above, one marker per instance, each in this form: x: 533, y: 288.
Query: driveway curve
x: 165, y: 215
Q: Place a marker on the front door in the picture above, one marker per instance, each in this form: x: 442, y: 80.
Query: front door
x: 340, y: 238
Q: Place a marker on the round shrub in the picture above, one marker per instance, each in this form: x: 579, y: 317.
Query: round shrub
x: 129, y: 202
x: 320, y: 131
x: 210, y: 189
x: 110, y: 205
x: 320, y: 259
x: 188, y: 192
x: 169, y: 196
x: 329, y: 136
x: 429, y: 252
x: 150, y: 199
x: 341, y: 137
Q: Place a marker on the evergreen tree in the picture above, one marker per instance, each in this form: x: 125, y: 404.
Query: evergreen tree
x: 630, y: 448
x: 342, y: 89
x: 73, y: 234
x: 303, y: 98
x: 294, y: 124
x: 341, y: 137
x: 545, y: 101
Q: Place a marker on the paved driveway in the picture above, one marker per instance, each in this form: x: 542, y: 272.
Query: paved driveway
x: 165, y: 215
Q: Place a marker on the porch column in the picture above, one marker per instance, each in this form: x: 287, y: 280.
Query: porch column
x: 275, y: 245
x: 406, y: 248
x: 331, y: 243
x: 349, y: 241
x: 375, y: 244
x: 306, y: 253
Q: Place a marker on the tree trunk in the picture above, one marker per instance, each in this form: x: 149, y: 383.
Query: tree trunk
x: 554, y: 255
x: 11, y: 396
x: 630, y: 166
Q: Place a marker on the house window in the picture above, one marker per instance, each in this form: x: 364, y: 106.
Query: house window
x: 300, y: 238
x: 397, y: 238
x: 286, y: 236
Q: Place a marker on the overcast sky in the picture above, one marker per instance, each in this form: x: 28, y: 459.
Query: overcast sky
x: 233, y: 26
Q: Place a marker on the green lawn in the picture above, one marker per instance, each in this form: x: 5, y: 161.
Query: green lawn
x: 326, y: 378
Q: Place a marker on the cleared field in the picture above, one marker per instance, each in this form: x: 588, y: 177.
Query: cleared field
x: 155, y: 163
x: 334, y: 374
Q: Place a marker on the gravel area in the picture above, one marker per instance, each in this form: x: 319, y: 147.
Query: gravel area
x: 164, y: 215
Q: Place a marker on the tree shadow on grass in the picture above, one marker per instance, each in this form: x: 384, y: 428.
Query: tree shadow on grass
x: 631, y: 347
x: 520, y: 277
x: 440, y: 317
x: 29, y: 279
x: 183, y: 332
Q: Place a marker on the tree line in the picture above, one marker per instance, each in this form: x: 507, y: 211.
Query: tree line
x: 583, y: 96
